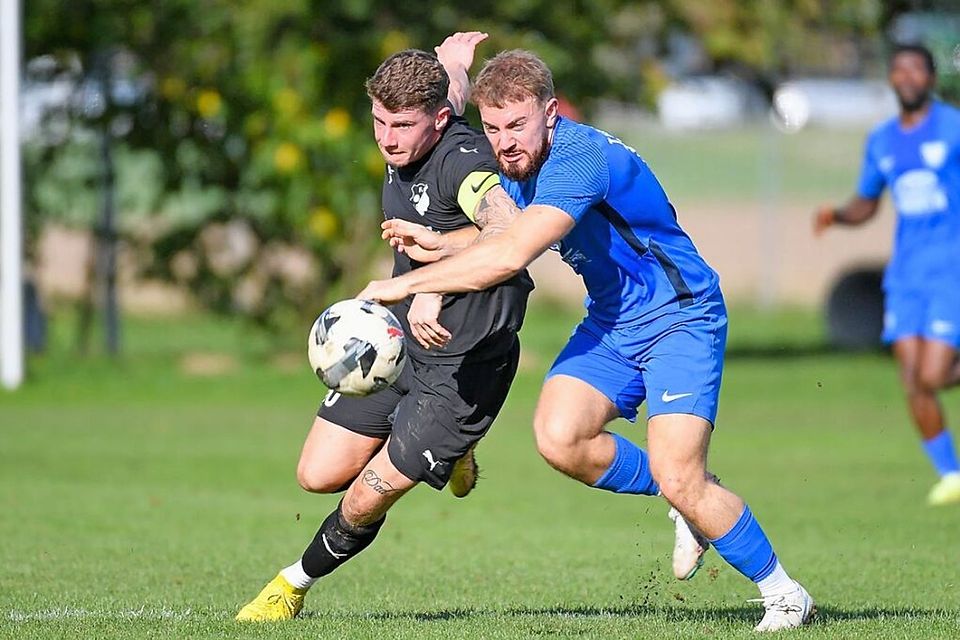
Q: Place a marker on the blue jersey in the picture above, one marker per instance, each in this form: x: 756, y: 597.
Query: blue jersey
x: 637, y: 263
x: 922, y: 168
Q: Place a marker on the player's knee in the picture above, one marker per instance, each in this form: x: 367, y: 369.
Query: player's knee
x: 910, y: 385
x: 681, y: 485
x: 912, y: 380
x: 557, y: 457
x: 931, y: 381
x: 314, y: 481
x: 554, y: 442
x: 676, y: 492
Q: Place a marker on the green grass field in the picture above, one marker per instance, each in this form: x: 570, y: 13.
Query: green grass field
x: 142, y: 502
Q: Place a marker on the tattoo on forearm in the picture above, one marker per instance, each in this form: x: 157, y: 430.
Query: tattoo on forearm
x: 375, y: 482
x: 495, y: 213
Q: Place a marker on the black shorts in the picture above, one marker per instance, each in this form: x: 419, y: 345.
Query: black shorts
x: 433, y: 413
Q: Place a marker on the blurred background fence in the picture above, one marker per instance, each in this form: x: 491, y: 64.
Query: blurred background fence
x: 218, y: 155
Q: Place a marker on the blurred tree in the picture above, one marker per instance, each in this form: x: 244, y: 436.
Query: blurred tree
x: 934, y: 23
x: 253, y: 120
x: 771, y: 40
x: 246, y: 164
x: 248, y: 114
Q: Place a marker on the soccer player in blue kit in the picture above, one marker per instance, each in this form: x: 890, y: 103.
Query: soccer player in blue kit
x: 655, y: 328
x: 917, y: 155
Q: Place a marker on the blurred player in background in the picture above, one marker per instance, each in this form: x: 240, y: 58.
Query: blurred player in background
x: 917, y: 155
x: 423, y: 428
x: 655, y: 328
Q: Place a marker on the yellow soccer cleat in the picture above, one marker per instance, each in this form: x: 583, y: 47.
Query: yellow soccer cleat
x: 279, y: 600
x: 463, y: 478
x: 946, y: 491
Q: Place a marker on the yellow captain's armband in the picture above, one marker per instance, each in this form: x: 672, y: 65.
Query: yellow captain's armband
x: 473, y: 188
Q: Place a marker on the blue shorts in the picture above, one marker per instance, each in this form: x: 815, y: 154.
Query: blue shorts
x: 932, y: 314
x: 674, y: 363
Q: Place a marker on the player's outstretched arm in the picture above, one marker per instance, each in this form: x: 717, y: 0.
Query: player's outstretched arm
x: 857, y: 211
x: 483, y: 264
x: 456, y: 55
x: 495, y: 212
x: 423, y: 244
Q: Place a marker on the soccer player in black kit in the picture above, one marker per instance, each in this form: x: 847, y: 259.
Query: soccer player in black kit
x: 463, y: 356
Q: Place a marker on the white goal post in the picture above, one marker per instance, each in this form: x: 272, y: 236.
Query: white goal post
x: 11, y: 220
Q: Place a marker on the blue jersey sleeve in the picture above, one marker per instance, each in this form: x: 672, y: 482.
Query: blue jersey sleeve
x: 573, y: 179
x: 513, y: 190
x: 872, y: 179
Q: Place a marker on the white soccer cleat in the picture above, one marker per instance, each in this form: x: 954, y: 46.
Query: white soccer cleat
x: 688, y: 547
x: 946, y: 491
x: 786, y: 611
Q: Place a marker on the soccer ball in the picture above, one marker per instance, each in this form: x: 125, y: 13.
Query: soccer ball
x: 356, y: 347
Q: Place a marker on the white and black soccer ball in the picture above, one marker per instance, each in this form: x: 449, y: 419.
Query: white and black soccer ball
x: 356, y: 347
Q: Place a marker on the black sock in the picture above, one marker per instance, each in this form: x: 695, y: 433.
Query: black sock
x: 336, y: 542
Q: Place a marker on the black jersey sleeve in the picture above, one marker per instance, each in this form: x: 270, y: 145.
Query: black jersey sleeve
x: 468, y: 167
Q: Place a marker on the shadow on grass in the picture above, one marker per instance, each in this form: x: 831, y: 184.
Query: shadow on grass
x: 720, y: 614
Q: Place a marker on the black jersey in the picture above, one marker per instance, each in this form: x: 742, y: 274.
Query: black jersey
x: 484, y: 323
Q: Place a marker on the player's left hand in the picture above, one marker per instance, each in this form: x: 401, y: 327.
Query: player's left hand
x: 823, y: 219
x: 457, y: 50
x: 424, y: 319
x: 384, y: 291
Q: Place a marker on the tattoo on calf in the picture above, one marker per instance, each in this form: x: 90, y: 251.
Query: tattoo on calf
x: 375, y: 482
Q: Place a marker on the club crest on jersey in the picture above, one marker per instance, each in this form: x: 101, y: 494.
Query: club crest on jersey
x: 934, y: 153
x: 419, y: 198
x: 886, y: 164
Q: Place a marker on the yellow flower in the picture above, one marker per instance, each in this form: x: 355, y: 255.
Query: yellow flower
x: 172, y: 88
x: 322, y: 223
x: 209, y: 103
x: 392, y: 42
x: 287, y: 102
x: 287, y: 157
x: 337, y: 122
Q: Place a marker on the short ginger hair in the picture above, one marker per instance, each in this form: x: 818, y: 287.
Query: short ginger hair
x: 513, y: 76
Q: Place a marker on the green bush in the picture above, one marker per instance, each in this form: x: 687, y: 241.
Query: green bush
x: 251, y: 126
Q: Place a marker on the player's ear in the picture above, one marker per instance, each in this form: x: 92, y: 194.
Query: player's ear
x: 442, y: 117
x: 552, y: 111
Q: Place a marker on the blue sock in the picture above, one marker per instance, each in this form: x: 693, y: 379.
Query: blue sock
x: 629, y: 472
x: 746, y: 548
x: 942, y: 453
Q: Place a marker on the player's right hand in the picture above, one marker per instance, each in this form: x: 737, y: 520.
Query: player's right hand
x: 424, y: 319
x: 385, y: 291
x: 823, y: 219
x: 416, y: 240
